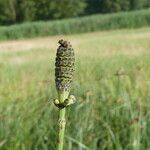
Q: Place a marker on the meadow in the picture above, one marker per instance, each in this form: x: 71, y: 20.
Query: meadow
x: 111, y: 85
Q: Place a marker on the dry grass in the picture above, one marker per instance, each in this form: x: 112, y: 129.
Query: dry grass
x: 128, y: 42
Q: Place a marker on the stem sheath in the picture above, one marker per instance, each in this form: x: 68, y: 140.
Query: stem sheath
x: 62, y: 121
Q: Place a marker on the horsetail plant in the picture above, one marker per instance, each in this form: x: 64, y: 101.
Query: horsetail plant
x: 64, y: 69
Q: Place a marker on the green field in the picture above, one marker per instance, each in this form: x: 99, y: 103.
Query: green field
x: 111, y: 84
x: 98, y: 22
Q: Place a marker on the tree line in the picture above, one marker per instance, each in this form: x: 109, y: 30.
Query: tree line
x: 18, y: 11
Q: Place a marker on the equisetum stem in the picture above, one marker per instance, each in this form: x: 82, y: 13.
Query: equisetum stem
x: 62, y: 121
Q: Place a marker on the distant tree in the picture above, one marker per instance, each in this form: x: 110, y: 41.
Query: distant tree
x: 69, y: 8
x: 43, y: 9
x: 106, y: 6
x: 125, y: 5
x: 138, y: 4
x: 110, y: 5
x: 93, y: 6
x: 46, y: 9
x: 18, y: 11
x: 25, y: 10
x: 15, y: 11
x: 7, y: 12
x: 146, y: 3
x: 135, y: 4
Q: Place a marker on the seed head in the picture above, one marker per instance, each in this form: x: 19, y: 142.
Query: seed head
x: 64, y: 66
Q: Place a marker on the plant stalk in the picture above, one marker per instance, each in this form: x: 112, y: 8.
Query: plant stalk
x: 62, y: 121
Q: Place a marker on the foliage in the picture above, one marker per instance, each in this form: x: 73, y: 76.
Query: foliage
x: 120, y: 5
x: 93, y: 6
x: 109, y: 6
x: 16, y: 11
x: 77, y: 25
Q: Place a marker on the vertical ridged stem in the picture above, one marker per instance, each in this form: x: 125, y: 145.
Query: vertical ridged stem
x: 62, y: 121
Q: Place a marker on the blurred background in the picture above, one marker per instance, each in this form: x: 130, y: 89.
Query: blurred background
x: 18, y: 11
x: 111, y: 39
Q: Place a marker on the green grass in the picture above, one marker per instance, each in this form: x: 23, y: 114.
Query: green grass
x: 112, y: 111
x: 98, y: 22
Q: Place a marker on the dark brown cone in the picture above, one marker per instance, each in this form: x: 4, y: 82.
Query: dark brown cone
x: 64, y: 66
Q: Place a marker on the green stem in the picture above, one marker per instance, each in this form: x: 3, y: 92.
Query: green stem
x: 62, y: 122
